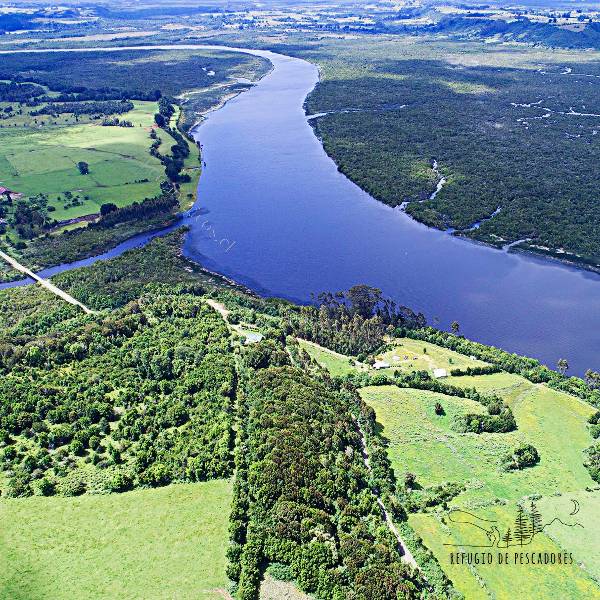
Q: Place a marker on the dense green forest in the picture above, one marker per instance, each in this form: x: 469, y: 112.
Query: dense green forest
x: 127, y: 73
x: 513, y: 132
x: 146, y: 393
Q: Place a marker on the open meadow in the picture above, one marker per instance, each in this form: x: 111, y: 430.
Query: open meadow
x: 70, y: 146
x: 160, y: 543
x: 43, y: 160
x: 426, y: 444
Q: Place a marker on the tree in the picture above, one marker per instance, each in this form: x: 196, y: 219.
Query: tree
x: 83, y: 167
x: 563, y: 365
x: 592, y: 378
x: 107, y: 208
x: 507, y: 538
x: 159, y: 120
x: 364, y: 299
x: 522, y: 533
x: 455, y: 326
x: 439, y: 409
x: 410, y: 480
x: 535, y: 519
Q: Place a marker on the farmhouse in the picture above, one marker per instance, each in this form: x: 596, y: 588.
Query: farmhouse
x: 439, y: 373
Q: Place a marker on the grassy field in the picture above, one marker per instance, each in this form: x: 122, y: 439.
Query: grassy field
x: 161, y: 543
x: 336, y: 364
x: 44, y: 160
x: 406, y: 355
x: 414, y: 355
x: 425, y: 444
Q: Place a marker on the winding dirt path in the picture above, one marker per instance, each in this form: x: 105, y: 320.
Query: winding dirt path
x: 44, y: 283
x: 407, y: 556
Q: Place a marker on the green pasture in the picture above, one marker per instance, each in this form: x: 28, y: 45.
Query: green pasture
x: 159, y: 543
x: 506, y: 581
x: 414, y: 355
x: 425, y: 444
x: 44, y: 160
x: 335, y: 363
x: 582, y: 542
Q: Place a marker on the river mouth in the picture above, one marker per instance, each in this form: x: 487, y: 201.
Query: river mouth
x: 275, y: 214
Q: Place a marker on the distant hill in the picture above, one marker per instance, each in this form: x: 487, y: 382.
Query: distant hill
x: 522, y: 30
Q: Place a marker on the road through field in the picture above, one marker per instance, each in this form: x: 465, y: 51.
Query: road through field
x: 44, y: 282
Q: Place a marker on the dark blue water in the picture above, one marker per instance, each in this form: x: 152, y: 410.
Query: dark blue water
x: 279, y: 217
x: 283, y: 220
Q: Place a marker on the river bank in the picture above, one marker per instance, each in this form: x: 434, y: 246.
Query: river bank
x: 275, y: 214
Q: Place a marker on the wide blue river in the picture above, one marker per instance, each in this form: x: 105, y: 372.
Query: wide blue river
x: 275, y: 214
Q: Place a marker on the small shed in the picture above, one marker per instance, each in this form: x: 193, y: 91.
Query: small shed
x: 439, y: 373
x: 381, y: 364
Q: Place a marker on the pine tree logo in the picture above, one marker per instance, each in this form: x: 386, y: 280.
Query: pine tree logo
x: 535, y: 520
x: 507, y: 538
x: 528, y: 523
x: 522, y: 531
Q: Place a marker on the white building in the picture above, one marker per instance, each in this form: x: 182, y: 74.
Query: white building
x: 381, y: 364
x: 439, y: 373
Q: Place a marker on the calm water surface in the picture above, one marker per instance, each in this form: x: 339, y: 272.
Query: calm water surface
x: 284, y: 221
x: 277, y: 216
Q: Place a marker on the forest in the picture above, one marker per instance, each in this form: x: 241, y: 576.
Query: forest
x: 512, y: 133
x: 157, y: 388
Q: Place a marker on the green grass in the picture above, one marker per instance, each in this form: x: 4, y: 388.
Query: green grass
x: 424, y: 443
x: 161, y: 543
x: 45, y: 160
x: 414, y: 355
x: 583, y: 543
x: 336, y: 364
x: 503, y: 582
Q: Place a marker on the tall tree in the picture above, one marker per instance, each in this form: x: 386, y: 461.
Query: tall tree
x: 522, y: 533
x: 563, y: 365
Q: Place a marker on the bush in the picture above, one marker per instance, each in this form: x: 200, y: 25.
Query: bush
x: 592, y: 462
x: 523, y: 456
x: 280, y: 572
x: 595, y: 418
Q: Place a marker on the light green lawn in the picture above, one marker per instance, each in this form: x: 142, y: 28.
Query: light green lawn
x: 163, y: 543
x: 414, y: 355
x: 584, y: 543
x: 503, y: 582
x: 336, y: 364
x: 423, y: 443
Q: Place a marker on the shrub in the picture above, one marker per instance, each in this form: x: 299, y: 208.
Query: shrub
x: 523, y: 456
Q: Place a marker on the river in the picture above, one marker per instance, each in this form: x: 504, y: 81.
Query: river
x: 278, y: 217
